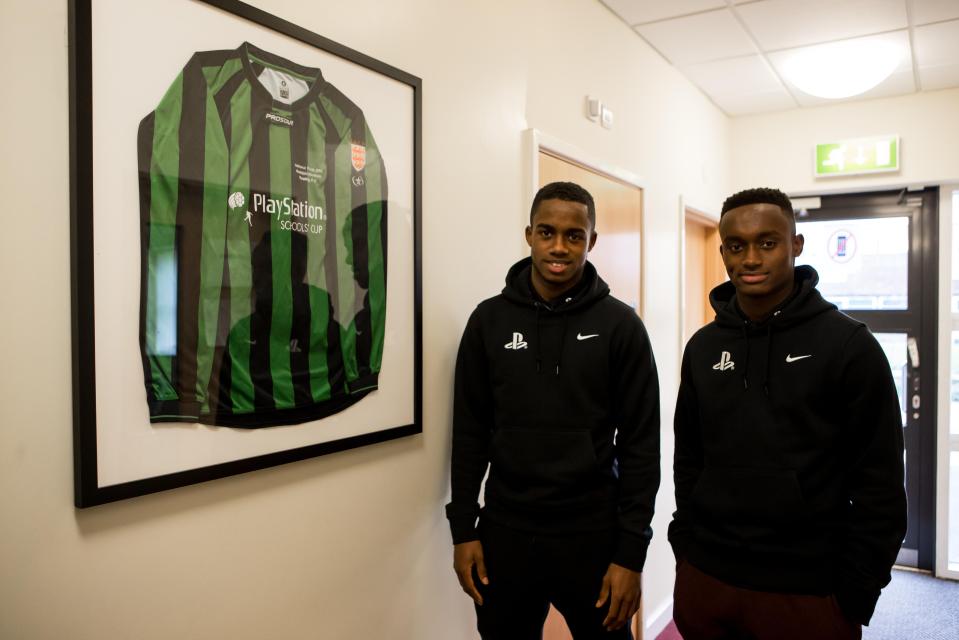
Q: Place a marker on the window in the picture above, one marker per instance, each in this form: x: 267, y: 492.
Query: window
x: 862, y: 264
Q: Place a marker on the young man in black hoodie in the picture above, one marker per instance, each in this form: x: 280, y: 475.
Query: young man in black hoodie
x: 790, y: 507
x: 556, y: 394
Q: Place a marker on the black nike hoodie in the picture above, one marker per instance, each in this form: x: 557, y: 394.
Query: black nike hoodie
x: 560, y: 400
x: 788, y: 464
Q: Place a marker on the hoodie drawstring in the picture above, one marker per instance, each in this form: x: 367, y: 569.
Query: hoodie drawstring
x: 769, y: 350
x: 539, y: 348
x: 746, y: 364
x: 539, y: 342
x: 562, y: 342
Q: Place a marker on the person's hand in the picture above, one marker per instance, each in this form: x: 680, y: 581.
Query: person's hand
x: 623, y: 588
x: 466, y: 555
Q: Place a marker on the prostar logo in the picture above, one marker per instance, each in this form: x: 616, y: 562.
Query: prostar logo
x: 236, y: 200
x: 725, y: 362
x: 278, y: 119
x: 517, y: 342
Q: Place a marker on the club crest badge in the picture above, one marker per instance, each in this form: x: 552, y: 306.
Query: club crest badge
x: 358, y: 154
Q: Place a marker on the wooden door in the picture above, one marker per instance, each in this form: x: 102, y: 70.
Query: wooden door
x: 617, y: 257
x: 704, y: 270
x: 618, y: 251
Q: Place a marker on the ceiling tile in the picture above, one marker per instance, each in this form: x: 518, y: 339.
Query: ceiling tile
x: 784, y: 24
x: 926, y: 11
x: 638, y: 11
x: 937, y: 44
x: 900, y: 82
x: 745, y: 104
x: 698, y: 38
x: 746, y: 75
x: 939, y: 77
x: 741, y: 86
x: 937, y: 54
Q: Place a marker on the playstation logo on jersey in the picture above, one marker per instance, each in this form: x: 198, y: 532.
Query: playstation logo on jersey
x: 358, y: 156
x: 725, y: 362
x: 236, y: 200
x: 517, y: 342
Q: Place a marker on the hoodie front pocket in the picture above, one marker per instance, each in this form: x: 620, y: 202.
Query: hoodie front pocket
x: 753, y: 499
x: 534, y: 464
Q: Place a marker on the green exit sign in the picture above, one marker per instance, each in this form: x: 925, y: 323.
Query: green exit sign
x: 859, y: 155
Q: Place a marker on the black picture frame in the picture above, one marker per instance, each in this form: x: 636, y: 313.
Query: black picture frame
x: 89, y: 487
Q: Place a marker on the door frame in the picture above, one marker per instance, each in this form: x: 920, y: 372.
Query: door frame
x: 703, y: 216
x: 923, y: 300
x: 947, y: 219
x: 536, y: 141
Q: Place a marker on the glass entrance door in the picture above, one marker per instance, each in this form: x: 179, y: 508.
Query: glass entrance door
x: 876, y: 263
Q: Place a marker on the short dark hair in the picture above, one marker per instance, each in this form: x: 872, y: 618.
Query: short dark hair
x: 569, y: 191
x: 761, y: 195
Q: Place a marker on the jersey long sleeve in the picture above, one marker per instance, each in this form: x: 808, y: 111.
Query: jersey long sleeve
x: 263, y: 242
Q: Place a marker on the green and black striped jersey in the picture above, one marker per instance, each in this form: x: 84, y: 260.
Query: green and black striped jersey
x: 263, y: 235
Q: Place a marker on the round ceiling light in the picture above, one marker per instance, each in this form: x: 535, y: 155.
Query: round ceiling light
x: 842, y: 69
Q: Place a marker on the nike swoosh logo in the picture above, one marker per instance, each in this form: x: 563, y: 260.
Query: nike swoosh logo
x: 790, y: 358
x: 580, y: 336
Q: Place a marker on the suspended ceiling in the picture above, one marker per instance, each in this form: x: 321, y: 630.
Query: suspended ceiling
x: 734, y: 50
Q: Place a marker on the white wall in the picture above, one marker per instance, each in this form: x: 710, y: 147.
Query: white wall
x: 776, y: 150
x: 353, y: 544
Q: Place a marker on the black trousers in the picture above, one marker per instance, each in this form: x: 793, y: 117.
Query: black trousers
x: 528, y: 572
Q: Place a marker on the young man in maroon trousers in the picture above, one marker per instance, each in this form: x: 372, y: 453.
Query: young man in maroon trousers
x: 790, y: 507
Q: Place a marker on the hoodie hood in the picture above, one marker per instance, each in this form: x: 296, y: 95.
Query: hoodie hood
x: 804, y: 303
x: 519, y: 288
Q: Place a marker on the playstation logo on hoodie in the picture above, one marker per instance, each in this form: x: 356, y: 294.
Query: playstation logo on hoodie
x: 517, y: 343
x: 725, y: 362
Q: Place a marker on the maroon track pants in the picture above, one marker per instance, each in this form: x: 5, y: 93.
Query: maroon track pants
x: 705, y: 608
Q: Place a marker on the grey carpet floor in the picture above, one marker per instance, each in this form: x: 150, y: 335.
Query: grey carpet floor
x: 916, y: 606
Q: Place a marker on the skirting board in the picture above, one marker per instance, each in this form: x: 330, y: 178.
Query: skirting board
x: 658, y: 621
